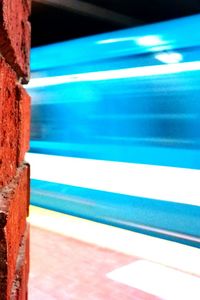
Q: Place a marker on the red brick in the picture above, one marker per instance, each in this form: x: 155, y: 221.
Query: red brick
x: 9, y: 126
x: 14, y: 202
x: 24, y: 122
x: 14, y: 123
x: 15, y: 35
x: 20, y: 283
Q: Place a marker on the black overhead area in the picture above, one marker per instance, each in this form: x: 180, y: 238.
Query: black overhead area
x: 60, y: 20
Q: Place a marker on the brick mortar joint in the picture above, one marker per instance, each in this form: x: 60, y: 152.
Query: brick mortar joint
x: 21, y: 261
x: 8, y: 192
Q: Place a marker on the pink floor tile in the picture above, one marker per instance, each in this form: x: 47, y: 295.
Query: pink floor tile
x: 64, y: 268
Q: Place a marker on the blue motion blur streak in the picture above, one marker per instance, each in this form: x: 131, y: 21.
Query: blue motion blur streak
x: 134, y: 91
x: 128, y: 96
x: 171, y: 35
x: 172, y: 221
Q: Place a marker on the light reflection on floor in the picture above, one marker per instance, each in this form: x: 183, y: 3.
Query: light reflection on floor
x: 72, y: 258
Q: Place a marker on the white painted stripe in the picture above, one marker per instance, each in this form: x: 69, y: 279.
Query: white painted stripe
x: 158, y: 280
x: 148, y: 181
x: 182, y: 257
x: 116, y: 74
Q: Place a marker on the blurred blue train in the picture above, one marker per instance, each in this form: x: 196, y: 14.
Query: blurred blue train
x: 120, y: 112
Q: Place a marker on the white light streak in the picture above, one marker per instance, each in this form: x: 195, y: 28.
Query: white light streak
x: 116, y: 74
x: 116, y: 40
x: 169, y: 58
x: 149, y: 40
x: 156, y: 182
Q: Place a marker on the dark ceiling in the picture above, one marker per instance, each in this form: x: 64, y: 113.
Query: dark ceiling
x: 59, y: 20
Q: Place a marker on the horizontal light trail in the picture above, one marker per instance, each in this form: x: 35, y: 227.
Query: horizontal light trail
x: 116, y: 74
x: 157, y: 230
x: 149, y: 181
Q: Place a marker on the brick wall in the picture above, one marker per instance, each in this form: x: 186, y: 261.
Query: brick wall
x: 14, y: 141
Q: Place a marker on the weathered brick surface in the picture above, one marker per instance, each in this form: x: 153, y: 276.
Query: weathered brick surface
x: 8, y: 123
x: 20, y: 283
x: 24, y: 122
x: 14, y: 202
x: 15, y: 35
x: 14, y: 123
x: 14, y: 142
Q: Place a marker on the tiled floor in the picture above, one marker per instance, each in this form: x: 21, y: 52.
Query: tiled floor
x: 64, y: 268
x: 75, y: 259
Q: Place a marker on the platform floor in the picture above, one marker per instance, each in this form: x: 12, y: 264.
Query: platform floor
x: 64, y: 267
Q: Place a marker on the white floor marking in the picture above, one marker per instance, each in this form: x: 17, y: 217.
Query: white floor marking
x: 158, y: 280
x: 148, y: 181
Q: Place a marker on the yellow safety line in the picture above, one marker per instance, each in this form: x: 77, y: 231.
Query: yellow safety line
x: 168, y: 253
